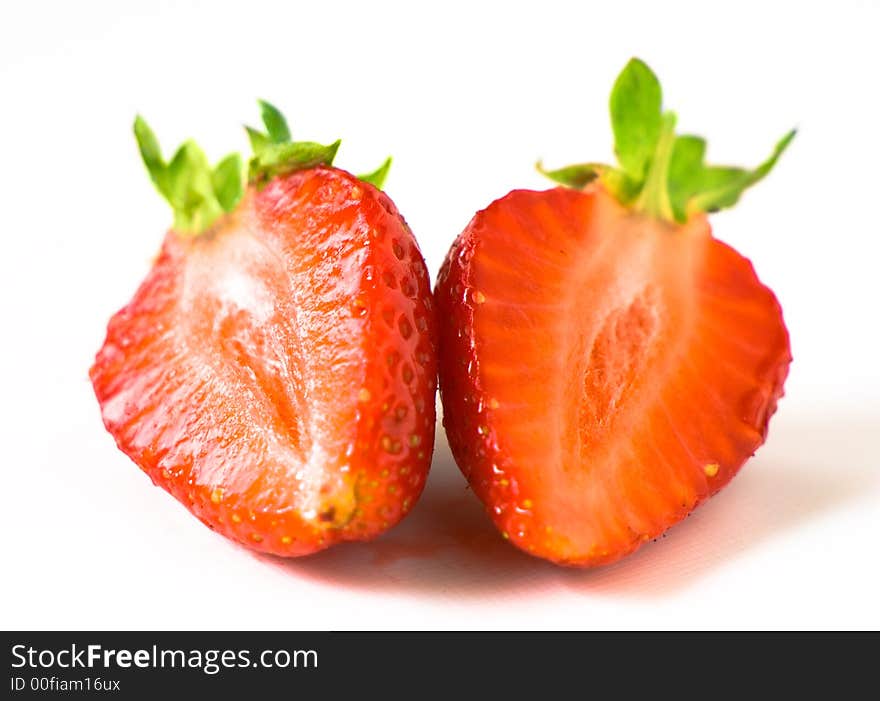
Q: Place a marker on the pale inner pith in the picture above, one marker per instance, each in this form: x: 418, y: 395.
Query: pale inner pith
x: 611, y: 363
x: 256, y: 358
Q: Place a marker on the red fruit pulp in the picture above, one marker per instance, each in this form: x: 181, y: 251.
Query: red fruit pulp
x: 276, y: 373
x: 602, y: 372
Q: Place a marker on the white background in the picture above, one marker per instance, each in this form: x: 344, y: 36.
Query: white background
x: 465, y: 96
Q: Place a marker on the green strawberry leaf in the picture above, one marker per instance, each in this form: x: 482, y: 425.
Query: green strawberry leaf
x: 662, y: 174
x: 654, y: 195
x: 635, y: 117
x: 275, y: 122
x: 377, y: 177
x: 150, y: 153
x: 198, y: 194
x: 274, y: 152
x: 227, y: 181
x: 191, y: 190
x: 718, y: 188
x: 259, y: 141
x: 684, y: 168
x: 281, y: 159
x: 576, y: 176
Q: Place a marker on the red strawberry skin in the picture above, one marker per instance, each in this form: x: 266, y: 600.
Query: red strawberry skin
x: 602, y: 372
x: 276, y: 374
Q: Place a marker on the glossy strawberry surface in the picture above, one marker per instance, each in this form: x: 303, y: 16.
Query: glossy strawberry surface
x: 276, y: 373
x: 602, y: 372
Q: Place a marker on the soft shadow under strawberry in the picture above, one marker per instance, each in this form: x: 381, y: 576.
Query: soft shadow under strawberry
x: 447, y: 547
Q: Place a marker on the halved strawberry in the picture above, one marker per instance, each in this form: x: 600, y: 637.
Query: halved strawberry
x: 605, y: 363
x: 275, y: 371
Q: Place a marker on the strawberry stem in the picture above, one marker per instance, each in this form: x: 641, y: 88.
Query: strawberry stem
x: 660, y: 173
x: 200, y: 194
x: 654, y: 197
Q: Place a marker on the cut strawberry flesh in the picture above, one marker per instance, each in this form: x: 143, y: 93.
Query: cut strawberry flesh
x: 623, y: 369
x: 244, y: 376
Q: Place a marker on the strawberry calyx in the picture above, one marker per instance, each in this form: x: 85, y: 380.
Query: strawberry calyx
x: 275, y: 153
x: 660, y: 173
x: 200, y: 194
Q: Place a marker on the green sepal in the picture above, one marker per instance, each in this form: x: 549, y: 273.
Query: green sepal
x: 259, y: 141
x: 151, y: 153
x: 200, y: 194
x: 624, y: 188
x: 717, y: 187
x: 687, y: 158
x: 378, y: 176
x: 654, y: 194
x: 274, y: 153
x: 636, y: 116
x: 281, y: 159
x: 197, y: 193
x: 661, y: 174
x: 228, y: 182
x: 276, y: 124
x: 580, y: 175
x: 577, y: 176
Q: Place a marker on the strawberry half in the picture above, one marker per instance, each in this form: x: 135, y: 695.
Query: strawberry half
x: 275, y: 371
x: 606, y: 364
